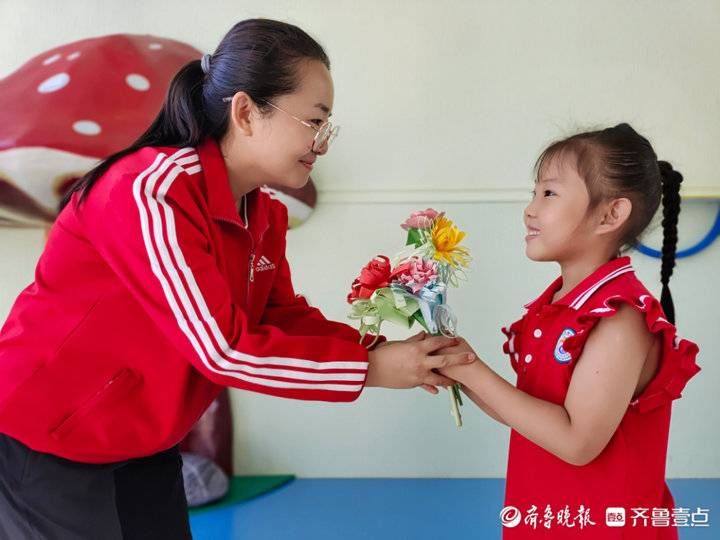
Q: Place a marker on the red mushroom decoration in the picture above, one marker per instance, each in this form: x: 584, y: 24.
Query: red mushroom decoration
x: 299, y: 202
x: 67, y: 108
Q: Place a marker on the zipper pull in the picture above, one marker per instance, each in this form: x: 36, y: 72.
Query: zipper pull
x: 252, y: 267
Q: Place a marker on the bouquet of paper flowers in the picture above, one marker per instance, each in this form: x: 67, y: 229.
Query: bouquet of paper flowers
x: 413, y: 287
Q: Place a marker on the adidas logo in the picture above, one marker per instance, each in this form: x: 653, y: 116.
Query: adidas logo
x: 264, y: 264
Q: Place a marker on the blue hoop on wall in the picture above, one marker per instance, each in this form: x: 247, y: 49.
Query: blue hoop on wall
x: 692, y: 250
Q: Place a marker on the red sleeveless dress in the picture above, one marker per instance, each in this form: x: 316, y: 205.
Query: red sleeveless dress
x: 547, y: 497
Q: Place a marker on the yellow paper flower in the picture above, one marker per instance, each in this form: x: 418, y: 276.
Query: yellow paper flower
x: 446, y: 238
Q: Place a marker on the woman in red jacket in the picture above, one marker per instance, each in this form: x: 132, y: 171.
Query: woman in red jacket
x: 164, y: 279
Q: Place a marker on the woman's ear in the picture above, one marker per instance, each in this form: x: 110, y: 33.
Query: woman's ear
x: 614, y: 215
x: 242, y: 113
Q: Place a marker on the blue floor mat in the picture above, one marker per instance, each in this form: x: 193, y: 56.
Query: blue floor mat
x: 418, y: 509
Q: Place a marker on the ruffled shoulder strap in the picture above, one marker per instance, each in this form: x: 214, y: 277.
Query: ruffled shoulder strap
x: 677, y: 363
x: 512, y: 341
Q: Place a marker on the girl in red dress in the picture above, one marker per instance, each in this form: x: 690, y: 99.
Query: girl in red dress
x: 597, y: 358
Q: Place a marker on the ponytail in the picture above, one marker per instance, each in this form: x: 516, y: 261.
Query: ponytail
x: 671, y: 180
x: 179, y: 124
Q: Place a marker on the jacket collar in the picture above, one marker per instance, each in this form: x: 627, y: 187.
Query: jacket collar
x: 586, y: 288
x: 221, y: 201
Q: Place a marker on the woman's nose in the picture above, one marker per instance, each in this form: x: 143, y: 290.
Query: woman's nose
x: 321, y: 150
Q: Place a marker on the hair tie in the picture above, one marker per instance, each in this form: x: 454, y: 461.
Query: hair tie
x: 205, y: 63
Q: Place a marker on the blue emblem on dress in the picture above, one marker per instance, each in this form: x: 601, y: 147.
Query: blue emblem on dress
x: 561, y: 355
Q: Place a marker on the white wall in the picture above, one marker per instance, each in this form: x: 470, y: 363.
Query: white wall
x: 460, y: 92
x: 447, y: 104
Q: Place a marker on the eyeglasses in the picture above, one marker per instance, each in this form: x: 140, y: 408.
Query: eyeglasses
x: 324, y: 134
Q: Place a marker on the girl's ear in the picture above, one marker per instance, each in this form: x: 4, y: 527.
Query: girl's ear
x: 614, y: 215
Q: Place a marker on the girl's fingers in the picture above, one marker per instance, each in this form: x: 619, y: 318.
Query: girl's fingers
x: 450, y: 350
x: 448, y: 360
x: 433, y: 343
x: 436, y: 379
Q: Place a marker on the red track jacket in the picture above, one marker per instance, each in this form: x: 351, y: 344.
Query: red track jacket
x: 151, y: 296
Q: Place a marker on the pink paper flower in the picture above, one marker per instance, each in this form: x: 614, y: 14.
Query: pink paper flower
x: 415, y: 274
x: 420, y: 220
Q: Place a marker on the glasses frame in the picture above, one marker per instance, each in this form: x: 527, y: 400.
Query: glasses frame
x: 325, y: 133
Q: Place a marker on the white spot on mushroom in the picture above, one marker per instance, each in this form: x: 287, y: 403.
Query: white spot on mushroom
x: 54, y: 83
x: 87, y: 127
x: 50, y: 59
x: 155, y: 46
x: 73, y: 56
x: 137, y: 82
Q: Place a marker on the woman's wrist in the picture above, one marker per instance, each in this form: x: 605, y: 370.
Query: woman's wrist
x: 371, y: 371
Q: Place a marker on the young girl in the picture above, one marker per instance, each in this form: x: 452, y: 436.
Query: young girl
x: 597, y: 358
x: 165, y: 279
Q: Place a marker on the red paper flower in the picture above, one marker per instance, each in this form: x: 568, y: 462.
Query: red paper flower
x: 374, y: 276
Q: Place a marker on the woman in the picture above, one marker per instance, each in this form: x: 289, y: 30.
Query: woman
x: 165, y: 279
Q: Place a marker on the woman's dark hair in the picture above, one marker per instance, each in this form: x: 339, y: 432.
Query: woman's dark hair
x: 257, y: 56
x: 619, y: 162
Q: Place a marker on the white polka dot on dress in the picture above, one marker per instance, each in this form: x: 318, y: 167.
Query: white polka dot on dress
x: 528, y: 358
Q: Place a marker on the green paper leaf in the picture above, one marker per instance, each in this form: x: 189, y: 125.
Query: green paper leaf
x: 414, y: 238
x: 417, y: 316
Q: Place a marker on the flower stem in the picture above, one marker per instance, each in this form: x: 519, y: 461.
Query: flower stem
x: 455, y: 404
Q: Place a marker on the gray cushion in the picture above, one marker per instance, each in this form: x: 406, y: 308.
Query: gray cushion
x: 204, y: 481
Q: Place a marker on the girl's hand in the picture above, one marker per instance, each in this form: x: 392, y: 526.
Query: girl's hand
x: 411, y: 363
x: 456, y: 372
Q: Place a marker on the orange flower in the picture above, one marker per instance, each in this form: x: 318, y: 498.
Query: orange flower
x: 446, y: 238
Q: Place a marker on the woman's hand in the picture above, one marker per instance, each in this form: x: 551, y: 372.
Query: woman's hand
x: 417, y: 337
x: 411, y: 363
x: 412, y: 339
